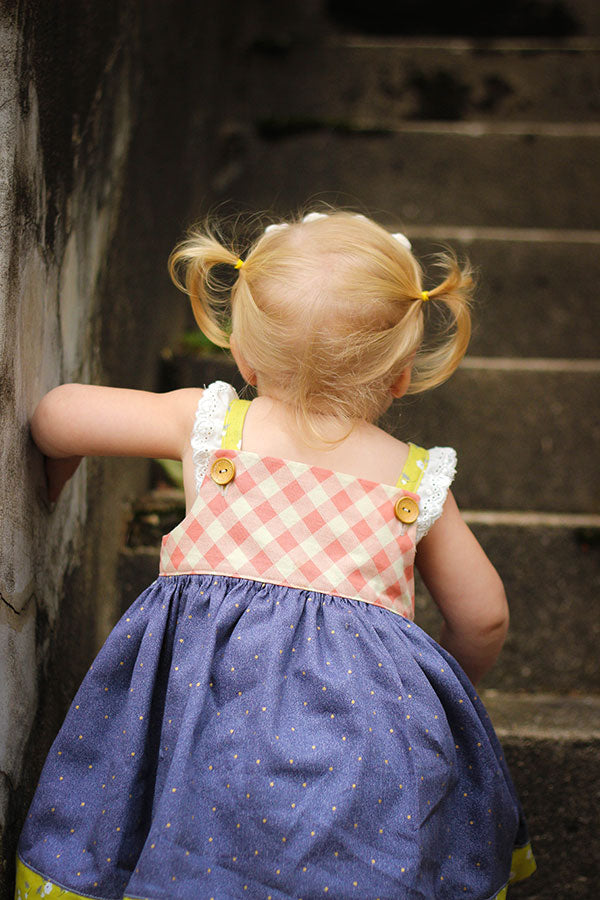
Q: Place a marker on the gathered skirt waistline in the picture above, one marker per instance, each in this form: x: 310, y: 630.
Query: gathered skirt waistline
x: 406, y: 614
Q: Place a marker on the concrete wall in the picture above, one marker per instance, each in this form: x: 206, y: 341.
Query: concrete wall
x: 96, y: 146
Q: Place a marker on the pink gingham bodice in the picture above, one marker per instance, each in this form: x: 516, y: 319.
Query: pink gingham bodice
x: 301, y: 526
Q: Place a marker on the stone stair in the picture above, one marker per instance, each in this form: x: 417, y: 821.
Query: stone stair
x: 491, y: 146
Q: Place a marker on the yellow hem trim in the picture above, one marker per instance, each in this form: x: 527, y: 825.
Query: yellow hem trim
x: 234, y: 424
x: 30, y: 883
x: 523, y: 864
x: 414, y: 468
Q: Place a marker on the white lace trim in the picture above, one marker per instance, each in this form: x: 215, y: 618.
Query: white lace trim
x: 434, y: 487
x: 208, y: 425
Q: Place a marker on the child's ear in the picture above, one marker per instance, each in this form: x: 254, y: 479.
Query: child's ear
x: 246, y: 372
x: 400, y: 385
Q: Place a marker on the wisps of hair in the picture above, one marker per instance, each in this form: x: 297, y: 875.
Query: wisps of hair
x: 195, y: 266
x: 328, y: 311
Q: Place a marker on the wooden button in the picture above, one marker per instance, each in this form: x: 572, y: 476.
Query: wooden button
x: 222, y: 470
x: 407, y: 510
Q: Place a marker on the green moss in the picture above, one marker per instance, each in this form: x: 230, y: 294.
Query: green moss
x: 172, y: 471
x: 194, y: 342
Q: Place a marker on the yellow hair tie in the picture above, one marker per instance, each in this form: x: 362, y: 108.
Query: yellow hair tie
x: 424, y: 296
x: 239, y: 264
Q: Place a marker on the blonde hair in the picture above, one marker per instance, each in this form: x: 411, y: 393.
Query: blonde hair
x: 328, y: 311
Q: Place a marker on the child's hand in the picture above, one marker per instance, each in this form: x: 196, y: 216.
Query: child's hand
x: 58, y: 472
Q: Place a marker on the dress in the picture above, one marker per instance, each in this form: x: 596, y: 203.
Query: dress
x: 266, y: 720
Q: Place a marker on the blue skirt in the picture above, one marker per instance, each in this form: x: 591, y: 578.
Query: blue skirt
x: 234, y: 739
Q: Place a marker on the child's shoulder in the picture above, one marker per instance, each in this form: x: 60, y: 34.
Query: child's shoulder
x: 385, y: 454
x: 369, y: 452
x: 417, y: 466
x: 428, y: 472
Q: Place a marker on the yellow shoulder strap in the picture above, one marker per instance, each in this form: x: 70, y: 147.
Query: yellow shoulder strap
x: 234, y: 424
x: 414, y: 468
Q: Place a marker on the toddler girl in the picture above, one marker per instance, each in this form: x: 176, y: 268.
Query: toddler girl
x: 267, y: 721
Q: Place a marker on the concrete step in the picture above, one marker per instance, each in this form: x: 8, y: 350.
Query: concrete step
x: 511, y: 17
x: 152, y: 517
x: 544, y: 716
x: 186, y: 370
x: 524, y: 432
x: 378, y: 82
x: 523, y: 429
x: 550, y: 566
x: 552, y: 746
x: 427, y: 173
x: 535, y: 288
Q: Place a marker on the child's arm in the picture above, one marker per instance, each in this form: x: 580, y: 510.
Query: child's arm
x: 77, y: 420
x: 467, y: 590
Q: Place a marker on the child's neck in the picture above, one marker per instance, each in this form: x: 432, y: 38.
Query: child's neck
x: 280, y: 411
x: 368, y: 452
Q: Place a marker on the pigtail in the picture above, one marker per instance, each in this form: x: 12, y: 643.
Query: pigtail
x: 453, y: 296
x: 193, y: 269
x: 328, y: 312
